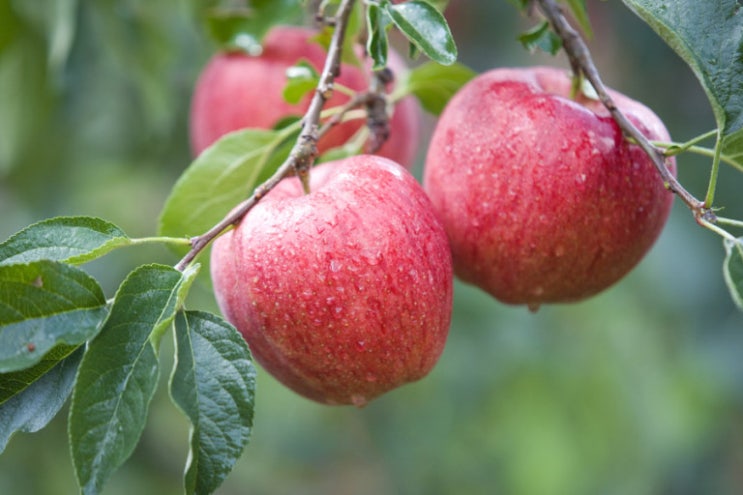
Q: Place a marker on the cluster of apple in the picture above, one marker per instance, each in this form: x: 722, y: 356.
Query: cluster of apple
x: 346, y: 292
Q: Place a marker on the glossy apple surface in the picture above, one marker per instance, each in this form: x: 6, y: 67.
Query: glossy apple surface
x: 345, y: 293
x: 236, y: 91
x: 542, y: 198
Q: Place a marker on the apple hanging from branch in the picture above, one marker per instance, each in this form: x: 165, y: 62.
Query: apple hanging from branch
x: 541, y: 195
x: 344, y: 293
x: 237, y: 90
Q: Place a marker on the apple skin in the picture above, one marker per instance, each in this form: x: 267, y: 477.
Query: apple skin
x: 236, y: 91
x: 541, y: 197
x: 344, y: 293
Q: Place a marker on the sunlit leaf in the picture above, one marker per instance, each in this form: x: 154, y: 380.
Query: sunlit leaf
x: 302, y: 78
x: 434, y: 84
x: 222, y: 176
x: 119, y: 372
x: 426, y: 28
x: 218, y: 404
x: 44, y: 304
x: 69, y: 239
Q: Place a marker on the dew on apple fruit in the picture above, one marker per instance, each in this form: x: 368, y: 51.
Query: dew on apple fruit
x: 371, y: 377
x: 335, y: 266
x: 358, y: 400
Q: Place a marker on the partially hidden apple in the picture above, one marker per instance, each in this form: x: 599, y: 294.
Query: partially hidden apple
x: 343, y: 293
x: 542, y: 197
x: 236, y: 90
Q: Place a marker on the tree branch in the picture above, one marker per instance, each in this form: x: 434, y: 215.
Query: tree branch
x: 303, y: 153
x: 581, y: 62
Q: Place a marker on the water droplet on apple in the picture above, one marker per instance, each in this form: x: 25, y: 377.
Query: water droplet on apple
x: 371, y: 377
x: 335, y: 266
x: 374, y: 259
x: 358, y: 400
x: 360, y: 345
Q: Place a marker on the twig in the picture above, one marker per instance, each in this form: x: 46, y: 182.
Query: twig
x: 581, y: 62
x: 304, y: 151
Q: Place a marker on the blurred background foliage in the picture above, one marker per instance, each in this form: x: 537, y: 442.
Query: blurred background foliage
x: 636, y: 391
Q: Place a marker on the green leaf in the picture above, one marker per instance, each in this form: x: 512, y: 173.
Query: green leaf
x: 302, y: 78
x: 119, y: 372
x: 219, y: 405
x: 541, y: 37
x: 434, y: 84
x: 243, y: 28
x: 222, y: 176
x: 16, y: 382
x: 376, y: 43
x: 44, y: 304
x: 733, y: 269
x: 426, y: 28
x: 69, y: 239
x: 38, y: 402
x: 580, y: 12
x: 708, y: 37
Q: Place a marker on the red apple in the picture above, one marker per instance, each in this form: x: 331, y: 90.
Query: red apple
x: 541, y: 196
x: 344, y: 293
x: 237, y: 90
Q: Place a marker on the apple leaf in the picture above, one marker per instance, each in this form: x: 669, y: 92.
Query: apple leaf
x: 733, y: 269
x: 242, y: 28
x: 118, y: 374
x: 219, y: 405
x: 434, y: 84
x: 707, y: 35
x: 541, y: 37
x: 302, y: 78
x: 222, y: 176
x: 44, y: 304
x: 69, y: 239
x: 580, y: 12
x: 38, y: 402
x: 425, y: 27
x: 376, y: 43
x: 14, y: 383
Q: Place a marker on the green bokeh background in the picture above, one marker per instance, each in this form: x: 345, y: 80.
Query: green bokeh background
x: 636, y: 391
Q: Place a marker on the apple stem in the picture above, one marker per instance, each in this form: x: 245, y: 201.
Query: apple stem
x: 303, y: 153
x: 581, y: 62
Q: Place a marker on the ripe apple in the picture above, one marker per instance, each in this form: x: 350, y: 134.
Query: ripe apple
x: 237, y: 90
x: 344, y: 293
x: 542, y: 198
